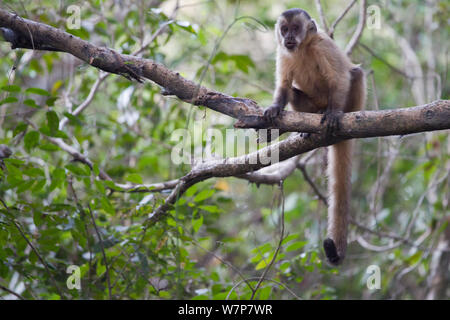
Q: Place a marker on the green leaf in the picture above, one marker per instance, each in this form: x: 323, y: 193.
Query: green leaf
x: 58, y: 174
x: 112, y: 185
x: 264, y: 293
x: 13, y: 161
x: 38, y: 91
x: 78, y: 170
x: 38, y: 218
x: 134, y: 178
x: 21, y: 127
x: 243, y: 62
x: 262, y: 248
x: 191, y: 191
x: 31, y: 140
x: 51, y: 101
x: 31, y: 103
x: 73, y: 119
x: 100, y: 268
x: 187, y: 26
x: 289, y: 238
x: 106, y: 205
x: 8, y: 100
x: 34, y: 172
x: 414, y: 258
x: 81, y: 33
x: 61, y: 134
x: 285, y: 266
x: 99, y: 186
x: 39, y: 185
x: 204, y: 194
x: 210, y: 208
x: 55, y: 207
x: 48, y: 147
x: 25, y: 185
x: 96, y: 169
x: 220, y: 56
x: 197, y: 223
x: 11, y: 88
x: 58, y: 133
x: 53, y: 122
x: 13, y: 171
x: 296, y: 245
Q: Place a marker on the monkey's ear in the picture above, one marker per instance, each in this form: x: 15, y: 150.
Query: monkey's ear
x: 312, y: 26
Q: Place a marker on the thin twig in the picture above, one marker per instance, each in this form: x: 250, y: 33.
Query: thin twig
x: 323, y: 20
x: 17, y: 225
x: 335, y: 23
x: 393, y: 68
x: 265, y: 279
x: 22, y: 233
x: 226, y: 263
x: 266, y: 270
x: 12, y: 292
x: 103, y: 251
x: 308, y: 179
x: 359, y: 29
x: 88, y: 99
x: 104, y: 75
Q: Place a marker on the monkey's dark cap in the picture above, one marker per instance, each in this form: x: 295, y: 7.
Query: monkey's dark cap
x: 289, y: 14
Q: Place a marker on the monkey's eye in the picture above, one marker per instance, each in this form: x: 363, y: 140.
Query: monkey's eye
x: 295, y: 28
x: 284, y: 29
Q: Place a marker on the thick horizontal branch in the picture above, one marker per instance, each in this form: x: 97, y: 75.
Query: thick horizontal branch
x: 24, y: 33
x: 365, y: 124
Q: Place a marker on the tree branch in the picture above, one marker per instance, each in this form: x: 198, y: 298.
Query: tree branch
x: 365, y: 124
x: 12, y: 292
x: 359, y: 29
x: 335, y: 23
x: 23, y: 33
x: 323, y: 20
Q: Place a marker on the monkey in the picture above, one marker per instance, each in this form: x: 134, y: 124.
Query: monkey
x: 313, y: 75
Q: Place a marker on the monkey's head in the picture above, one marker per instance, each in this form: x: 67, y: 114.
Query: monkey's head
x: 293, y: 27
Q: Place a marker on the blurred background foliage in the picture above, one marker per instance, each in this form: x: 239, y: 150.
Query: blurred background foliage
x: 223, y: 233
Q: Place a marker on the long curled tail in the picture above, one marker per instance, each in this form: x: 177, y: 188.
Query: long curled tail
x: 339, y: 175
x: 339, y: 190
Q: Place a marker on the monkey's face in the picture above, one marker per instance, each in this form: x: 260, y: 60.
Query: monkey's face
x: 293, y: 27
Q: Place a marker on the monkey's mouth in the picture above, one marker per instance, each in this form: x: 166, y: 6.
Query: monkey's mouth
x: 290, y: 45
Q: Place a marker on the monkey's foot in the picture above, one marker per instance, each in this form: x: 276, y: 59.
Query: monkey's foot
x: 272, y: 112
x: 331, y: 251
x: 332, y: 120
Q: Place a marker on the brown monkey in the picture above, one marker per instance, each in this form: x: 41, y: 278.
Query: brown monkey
x: 314, y: 75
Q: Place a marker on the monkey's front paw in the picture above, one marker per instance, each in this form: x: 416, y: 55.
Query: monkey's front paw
x: 332, y: 120
x: 272, y: 112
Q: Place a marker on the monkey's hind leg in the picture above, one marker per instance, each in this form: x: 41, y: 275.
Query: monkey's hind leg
x: 301, y: 102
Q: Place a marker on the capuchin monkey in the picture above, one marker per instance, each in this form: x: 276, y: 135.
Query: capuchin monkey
x: 314, y: 75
